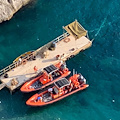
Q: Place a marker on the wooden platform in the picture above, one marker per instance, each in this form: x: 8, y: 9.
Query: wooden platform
x: 23, y: 73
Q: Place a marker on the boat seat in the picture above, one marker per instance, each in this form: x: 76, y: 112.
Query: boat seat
x: 36, y: 85
x: 47, y: 97
x: 56, y: 75
x: 46, y: 94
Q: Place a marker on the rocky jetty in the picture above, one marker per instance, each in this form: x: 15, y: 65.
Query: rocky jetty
x: 9, y: 7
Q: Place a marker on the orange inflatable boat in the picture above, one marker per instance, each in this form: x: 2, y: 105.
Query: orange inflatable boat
x: 61, y: 89
x: 49, y: 75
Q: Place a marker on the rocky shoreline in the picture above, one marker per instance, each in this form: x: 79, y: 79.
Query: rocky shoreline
x: 9, y: 7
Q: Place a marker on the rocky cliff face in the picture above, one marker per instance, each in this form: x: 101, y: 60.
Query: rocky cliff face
x: 9, y: 7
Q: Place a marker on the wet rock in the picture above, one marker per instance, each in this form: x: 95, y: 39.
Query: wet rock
x: 9, y: 7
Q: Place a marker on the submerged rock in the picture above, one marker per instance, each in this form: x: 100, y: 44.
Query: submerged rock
x: 9, y: 7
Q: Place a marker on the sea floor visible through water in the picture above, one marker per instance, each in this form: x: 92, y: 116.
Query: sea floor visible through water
x: 40, y: 22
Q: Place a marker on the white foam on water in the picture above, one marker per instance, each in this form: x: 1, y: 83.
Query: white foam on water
x: 102, y: 25
x: 113, y: 100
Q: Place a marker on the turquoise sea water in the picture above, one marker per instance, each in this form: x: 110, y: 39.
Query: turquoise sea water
x: 40, y: 22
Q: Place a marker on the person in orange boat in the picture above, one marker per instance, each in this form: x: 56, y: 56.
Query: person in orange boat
x: 50, y: 90
x: 39, y: 99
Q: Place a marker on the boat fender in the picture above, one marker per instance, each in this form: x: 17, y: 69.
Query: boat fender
x: 66, y: 40
x: 24, y: 61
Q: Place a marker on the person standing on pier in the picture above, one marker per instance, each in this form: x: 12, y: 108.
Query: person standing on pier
x: 35, y: 69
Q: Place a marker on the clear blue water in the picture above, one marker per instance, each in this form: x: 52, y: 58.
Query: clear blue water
x: 40, y: 22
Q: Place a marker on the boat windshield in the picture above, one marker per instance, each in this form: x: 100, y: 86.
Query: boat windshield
x: 62, y: 83
x: 50, y: 69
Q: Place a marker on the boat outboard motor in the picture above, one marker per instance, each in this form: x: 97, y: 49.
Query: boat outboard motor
x: 84, y: 81
x: 63, y: 66
x: 81, y: 79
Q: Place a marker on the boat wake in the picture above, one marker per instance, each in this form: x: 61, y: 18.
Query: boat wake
x: 103, y: 25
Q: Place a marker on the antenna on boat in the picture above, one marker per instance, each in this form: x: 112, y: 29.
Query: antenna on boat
x: 73, y: 71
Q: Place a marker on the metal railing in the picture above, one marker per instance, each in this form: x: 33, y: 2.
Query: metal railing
x: 61, y: 37
x: 15, y: 64
x: 27, y: 57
